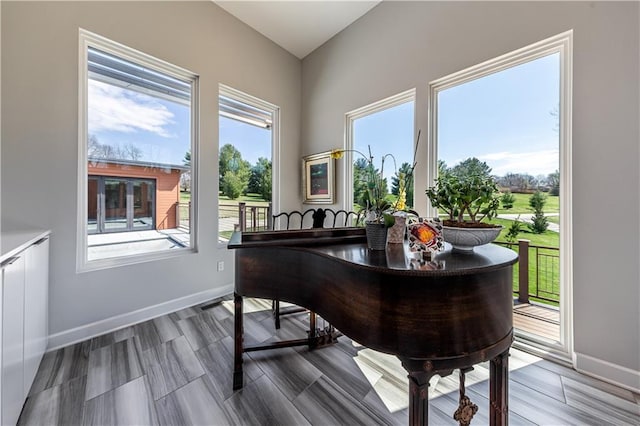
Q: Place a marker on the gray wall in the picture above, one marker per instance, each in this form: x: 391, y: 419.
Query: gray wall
x: 40, y: 135
x: 398, y: 46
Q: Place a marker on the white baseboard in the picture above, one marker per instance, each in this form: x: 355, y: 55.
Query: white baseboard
x: 608, y: 372
x: 84, y: 332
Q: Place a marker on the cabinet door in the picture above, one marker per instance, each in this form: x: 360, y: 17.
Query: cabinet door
x: 12, y: 339
x: 36, y: 288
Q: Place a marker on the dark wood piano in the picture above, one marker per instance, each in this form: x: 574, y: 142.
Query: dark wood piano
x: 448, y: 313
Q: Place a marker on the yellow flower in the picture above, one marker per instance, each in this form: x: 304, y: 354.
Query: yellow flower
x: 337, y: 154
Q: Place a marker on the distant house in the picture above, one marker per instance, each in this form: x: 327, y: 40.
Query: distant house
x: 125, y: 195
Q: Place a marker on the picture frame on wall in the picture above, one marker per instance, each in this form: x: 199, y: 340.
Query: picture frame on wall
x: 318, y: 179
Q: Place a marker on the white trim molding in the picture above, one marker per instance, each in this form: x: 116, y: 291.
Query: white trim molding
x: 90, y: 40
x: 608, y: 372
x: 97, y: 328
x: 561, y: 44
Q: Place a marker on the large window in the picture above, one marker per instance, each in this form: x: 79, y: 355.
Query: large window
x: 248, y: 138
x: 385, y: 128
x: 509, y: 118
x: 138, y: 150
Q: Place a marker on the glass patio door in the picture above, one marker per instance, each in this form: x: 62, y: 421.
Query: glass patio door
x: 120, y: 204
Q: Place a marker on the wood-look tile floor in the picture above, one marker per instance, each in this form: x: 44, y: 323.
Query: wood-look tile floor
x: 176, y: 370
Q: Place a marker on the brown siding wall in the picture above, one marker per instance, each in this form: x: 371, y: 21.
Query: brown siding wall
x: 167, y: 187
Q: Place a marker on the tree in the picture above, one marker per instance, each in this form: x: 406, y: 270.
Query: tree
x: 518, y: 182
x: 553, y: 180
x: 539, y: 222
x: 360, y: 170
x: 187, y: 159
x: 260, y: 179
x: 233, y: 185
x: 230, y: 160
x: 471, y: 167
x: 513, y: 230
x: 507, y: 199
x: 97, y: 150
x: 406, y: 171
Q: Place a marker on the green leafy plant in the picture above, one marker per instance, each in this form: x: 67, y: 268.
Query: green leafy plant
x: 466, y: 195
x: 508, y: 200
x: 373, y: 187
x: 539, y: 222
x: 370, y: 186
x: 513, y: 230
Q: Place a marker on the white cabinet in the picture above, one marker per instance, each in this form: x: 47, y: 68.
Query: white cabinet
x: 13, y: 274
x: 24, y: 323
x: 36, y: 304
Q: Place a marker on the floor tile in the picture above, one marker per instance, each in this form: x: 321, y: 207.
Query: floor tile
x: 113, y: 366
x: 62, y: 365
x: 193, y: 404
x: 262, y: 403
x: 111, y: 338
x: 217, y: 360
x: 58, y: 405
x: 324, y: 402
x: 129, y: 404
x: 147, y: 334
x: 170, y: 365
x: 289, y: 370
x: 201, y: 330
x: 166, y: 328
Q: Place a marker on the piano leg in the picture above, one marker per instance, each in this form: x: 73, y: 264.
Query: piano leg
x: 419, y: 398
x: 238, y: 337
x: 499, y: 390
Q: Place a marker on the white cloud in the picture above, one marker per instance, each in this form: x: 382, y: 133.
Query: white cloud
x: 112, y: 108
x: 534, y: 163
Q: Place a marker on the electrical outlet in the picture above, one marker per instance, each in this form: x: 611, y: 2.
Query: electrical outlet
x: 220, y: 266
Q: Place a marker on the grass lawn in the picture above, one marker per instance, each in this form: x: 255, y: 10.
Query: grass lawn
x: 521, y: 205
x: 544, y: 264
x: 547, y: 238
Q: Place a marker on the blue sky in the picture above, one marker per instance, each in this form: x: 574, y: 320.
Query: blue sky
x: 504, y: 119
x: 118, y: 117
x: 389, y: 131
x: 252, y: 141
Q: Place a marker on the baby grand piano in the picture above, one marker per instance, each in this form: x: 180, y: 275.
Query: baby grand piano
x: 451, y: 312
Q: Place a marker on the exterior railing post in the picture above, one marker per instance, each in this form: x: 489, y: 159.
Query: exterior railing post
x: 242, y: 216
x: 269, y: 217
x: 254, y: 214
x: 523, y: 271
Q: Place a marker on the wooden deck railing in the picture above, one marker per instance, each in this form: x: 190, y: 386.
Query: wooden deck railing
x: 538, y: 272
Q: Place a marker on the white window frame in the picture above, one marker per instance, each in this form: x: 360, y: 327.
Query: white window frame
x: 350, y: 117
x: 237, y: 95
x: 563, y: 45
x: 86, y: 40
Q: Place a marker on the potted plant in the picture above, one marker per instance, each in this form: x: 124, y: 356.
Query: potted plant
x: 467, y: 194
x: 378, y: 210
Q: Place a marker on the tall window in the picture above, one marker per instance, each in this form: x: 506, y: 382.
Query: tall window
x: 137, y: 155
x: 385, y: 127
x: 509, y: 118
x: 248, y: 138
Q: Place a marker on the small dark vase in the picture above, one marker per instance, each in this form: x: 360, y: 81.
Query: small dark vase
x: 376, y: 236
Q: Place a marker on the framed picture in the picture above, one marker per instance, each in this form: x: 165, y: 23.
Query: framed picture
x: 318, y: 179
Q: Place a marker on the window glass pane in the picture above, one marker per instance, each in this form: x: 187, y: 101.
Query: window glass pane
x: 245, y: 166
x: 92, y: 208
x: 143, y: 206
x: 388, y: 131
x: 138, y: 158
x: 115, y: 201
